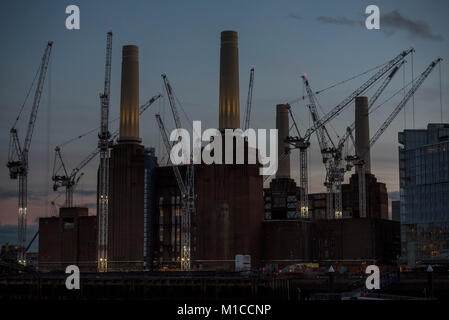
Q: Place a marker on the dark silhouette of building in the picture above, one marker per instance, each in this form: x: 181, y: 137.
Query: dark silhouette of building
x: 228, y: 215
x: 396, y: 210
x: 287, y: 241
x: 357, y: 239
x: 68, y: 239
x: 282, y: 196
x: 376, y: 198
x: 317, y: 206
x: 282, y: 200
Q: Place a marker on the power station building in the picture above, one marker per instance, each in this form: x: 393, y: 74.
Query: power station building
x: 234, y: 214
x: 70, y: 238
x: 229, y: 197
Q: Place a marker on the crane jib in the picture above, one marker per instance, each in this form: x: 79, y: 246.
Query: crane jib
x: 336, y: 110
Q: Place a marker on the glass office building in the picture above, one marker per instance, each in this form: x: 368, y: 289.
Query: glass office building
x: 424, y: 195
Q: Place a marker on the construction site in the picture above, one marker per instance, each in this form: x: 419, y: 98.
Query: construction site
x: 218, y: 230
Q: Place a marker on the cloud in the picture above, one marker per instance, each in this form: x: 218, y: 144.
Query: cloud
x: 390, y: 23
x: 338, y: 21
x: 294, y: 16
x: 416, y: 28
x: 7, y: 194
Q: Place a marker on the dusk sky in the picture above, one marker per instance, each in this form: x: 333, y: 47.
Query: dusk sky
x: 282, y: 39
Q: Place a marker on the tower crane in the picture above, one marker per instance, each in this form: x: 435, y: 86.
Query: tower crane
x: 187, y: 201
x: 104, y: 143
x: 336, y: 170
x: 187, y: 192
x: 327, y: 149
x: 302, y: 142
x: 332, y: 175
x: 342, y: 105
x: 358, y: 159
x: 249, y: 100
x: 18, y: 154
x: 69, y: 181
x: 298, y: 142
x: 171, y: 99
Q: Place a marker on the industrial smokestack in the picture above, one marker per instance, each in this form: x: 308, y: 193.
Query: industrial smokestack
x: 129, y: 96
x: 362, y: 146
x: 229, y: 117
x: 283, y: 127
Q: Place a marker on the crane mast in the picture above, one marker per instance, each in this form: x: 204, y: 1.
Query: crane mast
x: 249, y: 100
x: 18, y: 155
x: 187, y: 201
x: 188, y: 192
x: 298, y: 142
x: 324, y: 139
x: 172, y: 102
x: 104, y: 143
x: 327, y: 149
x: 167, y: 146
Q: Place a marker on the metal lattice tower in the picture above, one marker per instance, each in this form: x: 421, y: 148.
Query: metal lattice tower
x: 18, y: 155
x: 187, y: 201
x: 187, y: 189
x: 249, y: 100
x: 103, y: 171
x: 298, y: 142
